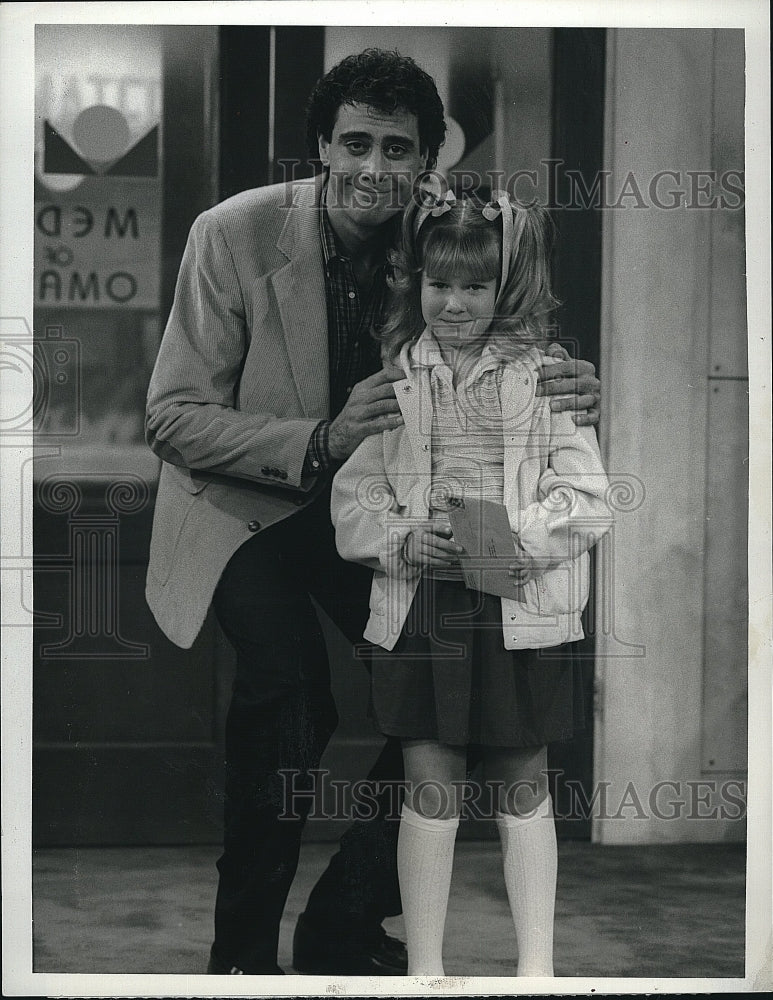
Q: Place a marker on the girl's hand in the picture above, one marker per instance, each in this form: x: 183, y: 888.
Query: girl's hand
x: 574, y: 380
x: 431, y: 545
x: 525, y: 566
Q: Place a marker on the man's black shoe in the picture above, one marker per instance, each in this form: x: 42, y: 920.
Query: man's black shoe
x: 317, y: 953
x: 217, y: 968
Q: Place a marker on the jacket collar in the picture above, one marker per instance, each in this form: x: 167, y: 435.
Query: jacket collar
x: 519, y: 381
x: 424, y: 353
x: 300, y: 232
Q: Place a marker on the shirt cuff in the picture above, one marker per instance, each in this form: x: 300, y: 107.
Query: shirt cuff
x: 318, y: 459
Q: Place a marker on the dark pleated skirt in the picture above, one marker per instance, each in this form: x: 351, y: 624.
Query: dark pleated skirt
x: 450, y: 678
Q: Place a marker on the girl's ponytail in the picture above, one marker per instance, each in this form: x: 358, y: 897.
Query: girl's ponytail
x: 403, y: 320
x: 525, y: 298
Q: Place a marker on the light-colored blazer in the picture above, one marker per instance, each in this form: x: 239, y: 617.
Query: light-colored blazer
x: 555, y: 491
x: 240, y: 383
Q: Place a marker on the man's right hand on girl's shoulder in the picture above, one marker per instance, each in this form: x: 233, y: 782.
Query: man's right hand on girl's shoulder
x: 370, y: 409
x: 575, y: 384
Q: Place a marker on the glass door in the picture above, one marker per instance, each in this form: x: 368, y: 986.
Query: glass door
x: 126, y: 125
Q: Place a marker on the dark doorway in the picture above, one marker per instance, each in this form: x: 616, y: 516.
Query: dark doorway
x: 578, y: 149
x: 266, y: 76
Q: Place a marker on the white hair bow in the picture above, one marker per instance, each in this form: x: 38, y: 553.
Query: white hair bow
x: 434, y: 204
x: 513, y: 223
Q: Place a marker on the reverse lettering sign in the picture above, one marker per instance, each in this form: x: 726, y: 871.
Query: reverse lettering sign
x: 99, y: 247
x: 98, y: 191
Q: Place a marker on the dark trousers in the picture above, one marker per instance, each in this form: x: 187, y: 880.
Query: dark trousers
x: 281, y: 717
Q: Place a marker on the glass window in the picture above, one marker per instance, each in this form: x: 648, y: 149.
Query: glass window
x: 100, y: 179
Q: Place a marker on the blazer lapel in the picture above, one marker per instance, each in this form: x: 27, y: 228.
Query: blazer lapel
x: 300, y: 291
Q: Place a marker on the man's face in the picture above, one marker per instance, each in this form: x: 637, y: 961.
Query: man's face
x: 373, y: 159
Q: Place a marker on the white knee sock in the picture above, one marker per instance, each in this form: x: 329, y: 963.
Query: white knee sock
x: 530, y: 861
x: 425, y: 858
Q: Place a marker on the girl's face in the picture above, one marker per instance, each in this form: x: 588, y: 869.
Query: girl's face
x: 456, y: 307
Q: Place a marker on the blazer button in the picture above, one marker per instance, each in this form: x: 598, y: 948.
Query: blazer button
x: 283, y: 474
x: 264, y: 470
x: 254, y: 525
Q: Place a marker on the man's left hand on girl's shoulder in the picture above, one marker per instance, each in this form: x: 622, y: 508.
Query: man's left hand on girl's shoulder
x: 573, y: 382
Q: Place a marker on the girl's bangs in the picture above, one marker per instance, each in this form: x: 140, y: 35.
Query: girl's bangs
x: 473, y: 256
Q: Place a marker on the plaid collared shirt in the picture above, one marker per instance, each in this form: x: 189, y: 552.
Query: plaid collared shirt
x: 353, y: 354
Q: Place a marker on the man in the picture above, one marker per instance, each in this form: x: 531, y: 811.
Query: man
x: 266, y: 379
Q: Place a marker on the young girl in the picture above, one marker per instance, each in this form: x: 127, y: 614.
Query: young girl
x: 458, y: 666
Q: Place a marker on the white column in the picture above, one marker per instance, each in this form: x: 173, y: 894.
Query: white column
x: 655, y: 343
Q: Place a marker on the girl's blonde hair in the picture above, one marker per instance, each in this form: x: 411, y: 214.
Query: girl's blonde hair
x: 462, y: 241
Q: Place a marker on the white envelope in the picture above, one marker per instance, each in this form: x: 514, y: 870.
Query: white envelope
x: 483, y: 528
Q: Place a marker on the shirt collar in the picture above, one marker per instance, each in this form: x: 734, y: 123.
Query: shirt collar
x: 331, y: 248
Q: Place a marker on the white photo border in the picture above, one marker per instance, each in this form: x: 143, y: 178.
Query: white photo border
x: 17, y: 23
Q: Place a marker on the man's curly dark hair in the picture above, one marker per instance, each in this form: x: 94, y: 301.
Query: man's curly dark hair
x: 385, y: 81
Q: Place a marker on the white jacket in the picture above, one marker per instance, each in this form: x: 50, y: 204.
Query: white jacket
x: 555, y: 491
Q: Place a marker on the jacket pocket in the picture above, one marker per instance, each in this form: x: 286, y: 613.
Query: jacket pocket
x: 407, y: 485
x: 191, y: 480
x: 409, y: 490
x: 378, y: 593
x: 531, y: 597
x: 565, y: 589
x: 178, y: 492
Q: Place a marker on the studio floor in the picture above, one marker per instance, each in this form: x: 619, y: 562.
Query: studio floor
x: 653, y: 911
